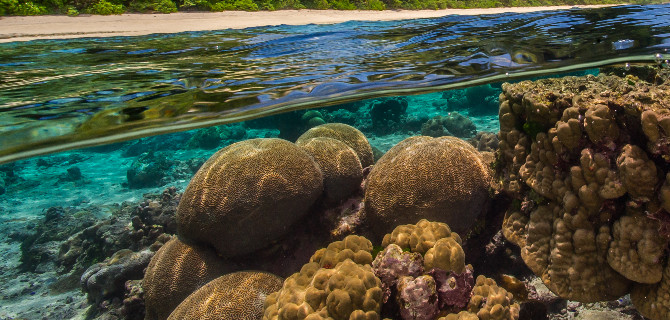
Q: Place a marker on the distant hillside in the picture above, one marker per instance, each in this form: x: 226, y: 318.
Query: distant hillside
x: 107, y: 7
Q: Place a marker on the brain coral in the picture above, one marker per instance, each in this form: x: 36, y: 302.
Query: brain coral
x: 175, y: 271
x: 248, y: 194
x: 345, y: 133
x: 342, y: 171
x: 582, y: 159
x: 441, y: 179
x: 236, y: 296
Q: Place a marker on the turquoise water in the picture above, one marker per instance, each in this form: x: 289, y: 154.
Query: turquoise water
x: 100, y: 137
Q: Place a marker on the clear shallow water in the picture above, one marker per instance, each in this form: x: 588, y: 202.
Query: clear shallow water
x: 62, y: 94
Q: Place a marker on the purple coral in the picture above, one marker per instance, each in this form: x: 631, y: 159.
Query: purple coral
x: 417, y: 298
x: 393, y: 263
x: 453, y: 289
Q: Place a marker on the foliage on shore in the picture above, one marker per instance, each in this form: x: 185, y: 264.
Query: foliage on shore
x: 107, y: 7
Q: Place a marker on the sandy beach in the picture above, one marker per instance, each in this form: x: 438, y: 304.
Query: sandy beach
x: 60, y: 27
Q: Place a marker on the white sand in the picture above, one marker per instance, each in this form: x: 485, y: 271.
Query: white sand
x: 53, y: 27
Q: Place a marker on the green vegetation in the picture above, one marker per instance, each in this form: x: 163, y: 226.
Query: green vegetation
x: 74, y: 7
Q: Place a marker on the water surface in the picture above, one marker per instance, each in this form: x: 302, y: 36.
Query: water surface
x: 63, y: 94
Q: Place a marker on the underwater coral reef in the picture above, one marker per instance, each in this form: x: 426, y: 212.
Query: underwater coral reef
x: 563, y: 214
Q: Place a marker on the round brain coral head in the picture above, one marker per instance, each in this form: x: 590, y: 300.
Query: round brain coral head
x: 342, y: 171
x: 235, y: 296
x: 248, y: 194
x: 441, y: 179
x: 351, y: 136
x: 176, y: 270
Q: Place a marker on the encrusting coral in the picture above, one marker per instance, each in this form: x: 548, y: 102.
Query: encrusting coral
x: 235, y: 296
x: 269, y: 182
x: 175, y: 271
x: 351, y: 136
x: 584, y: 181
x: 341, y: 168
x: 442, y: 179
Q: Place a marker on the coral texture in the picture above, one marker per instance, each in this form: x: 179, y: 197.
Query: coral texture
x: 342, y: 171
x: 442, y: 179
x: 454, y: 289
x: 454, y: 124
x: 353, y: 247
x: 235, y: 296
x: 490, y: 302
x: 176, y: 270
x: 268, y: 182
x: 345, y: 133
x: 651, y: 300
x: 392, y: 263
x: 419, y: 237
x: 417, y: 298
x: 346, y: 291
x: 582, y: 177
x: 108, y: 278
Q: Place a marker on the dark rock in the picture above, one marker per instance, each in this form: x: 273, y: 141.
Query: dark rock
x: 103, y: 281
x: 148, y: 170
x: 453, y: 124
x: 207, y: 138
x: 485, y: 141
x: 388, y: 115
x: 41, y: 244
x: 533, y: 310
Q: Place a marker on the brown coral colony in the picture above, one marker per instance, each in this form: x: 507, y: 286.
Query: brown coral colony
x: 587, y: 161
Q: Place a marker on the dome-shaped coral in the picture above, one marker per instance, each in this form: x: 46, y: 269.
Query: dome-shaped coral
x: 236, y: 296
x: 441, y: 179
x: 345, y: 133
x: 176, y: 270
x: 248, y: 194
x: 341, y: 168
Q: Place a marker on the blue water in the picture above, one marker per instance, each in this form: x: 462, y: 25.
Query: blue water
x: 63, y: 94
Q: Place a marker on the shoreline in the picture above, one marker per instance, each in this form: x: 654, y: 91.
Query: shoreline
x: 22, y: 28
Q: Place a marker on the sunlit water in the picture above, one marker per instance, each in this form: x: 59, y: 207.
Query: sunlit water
x: 61, y: 94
